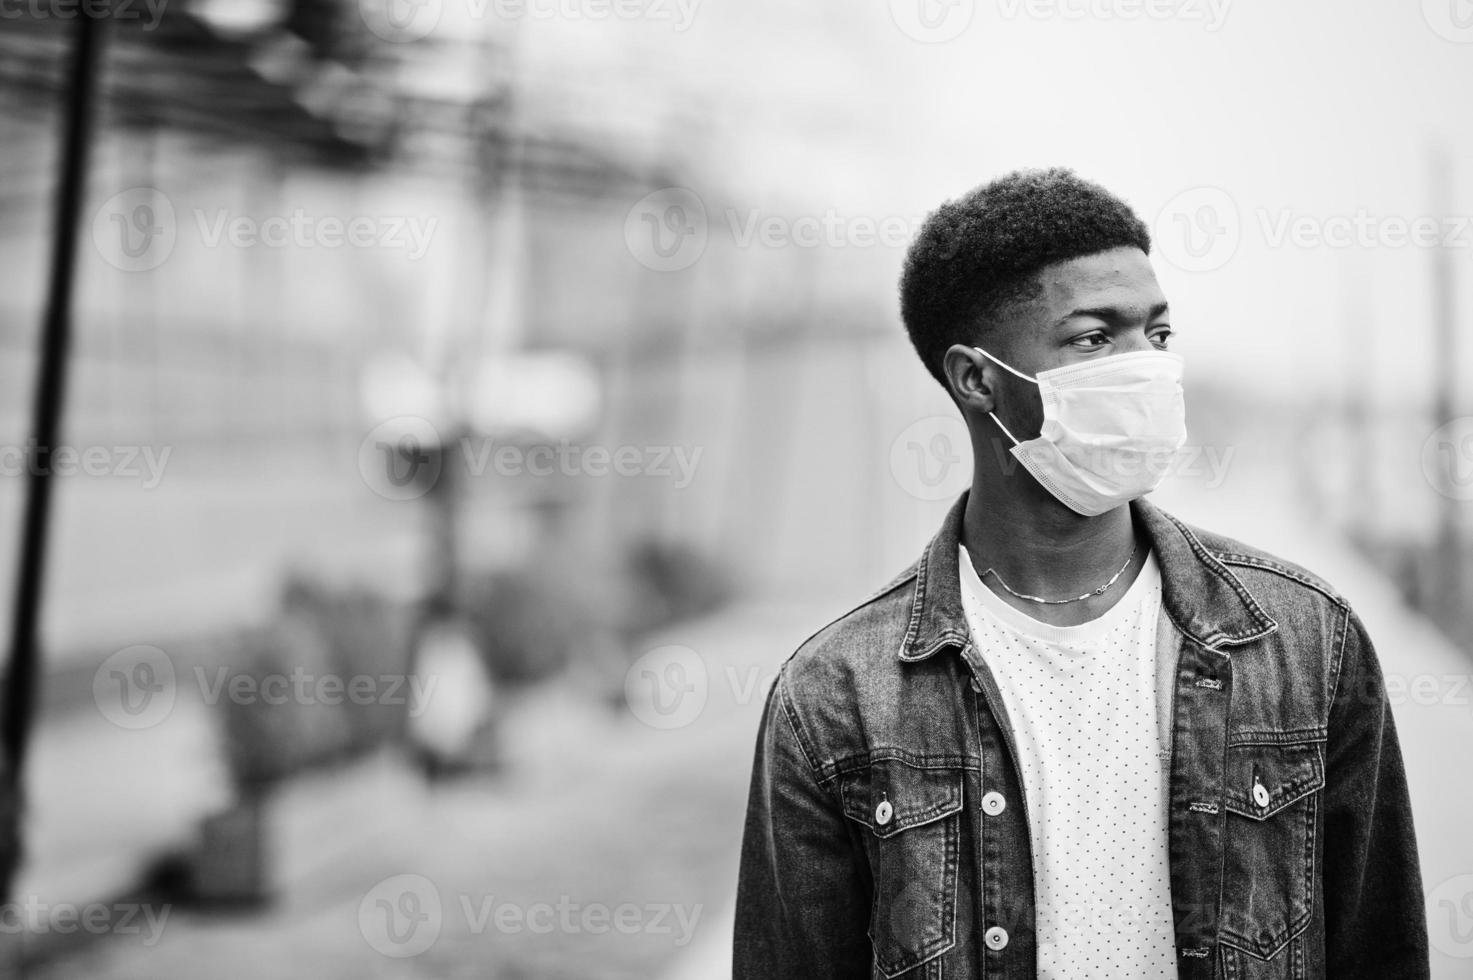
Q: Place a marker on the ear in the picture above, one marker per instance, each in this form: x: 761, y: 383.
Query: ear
x: 968, y: 378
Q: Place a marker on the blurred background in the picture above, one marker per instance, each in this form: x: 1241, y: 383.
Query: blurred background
x: 468, y: 405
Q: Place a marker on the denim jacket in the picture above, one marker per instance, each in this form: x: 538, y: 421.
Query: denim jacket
x: 868, y: 851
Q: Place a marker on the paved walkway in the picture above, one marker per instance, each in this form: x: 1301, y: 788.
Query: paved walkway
x: 105, y: 801
x: 610, y: 817
x: 619, y: 835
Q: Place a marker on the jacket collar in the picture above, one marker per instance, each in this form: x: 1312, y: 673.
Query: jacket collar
x: 1201, y: 595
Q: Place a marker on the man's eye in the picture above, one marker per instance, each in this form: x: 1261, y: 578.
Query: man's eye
x: 1090, y: 340
x: 1160, y: 339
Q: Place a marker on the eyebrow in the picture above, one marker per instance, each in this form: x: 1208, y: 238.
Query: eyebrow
x: 1112, y: 315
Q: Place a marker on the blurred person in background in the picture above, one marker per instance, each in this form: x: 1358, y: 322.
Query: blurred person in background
x: 446, y: 730
x: 1078, y: 737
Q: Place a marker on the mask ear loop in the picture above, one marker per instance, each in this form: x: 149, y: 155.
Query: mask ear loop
x: 1003, y: 428
x: 1014, y: 370
x: 1005, y: 367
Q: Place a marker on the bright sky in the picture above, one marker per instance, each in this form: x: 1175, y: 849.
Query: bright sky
x: 1306, y: 122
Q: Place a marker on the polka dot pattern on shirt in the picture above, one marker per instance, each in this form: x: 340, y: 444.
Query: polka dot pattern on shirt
x: 1082, y: 702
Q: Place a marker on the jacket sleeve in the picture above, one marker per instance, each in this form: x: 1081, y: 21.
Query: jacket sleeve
x: 803, y: 890
x: 1375, y: 923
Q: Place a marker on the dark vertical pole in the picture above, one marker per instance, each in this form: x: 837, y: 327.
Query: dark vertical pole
x: 48, y: 397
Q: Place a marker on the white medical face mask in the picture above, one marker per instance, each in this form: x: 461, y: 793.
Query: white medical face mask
x: 1111, y: 428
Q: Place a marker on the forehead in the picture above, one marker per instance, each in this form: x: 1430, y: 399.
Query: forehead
x: 1120, y: 279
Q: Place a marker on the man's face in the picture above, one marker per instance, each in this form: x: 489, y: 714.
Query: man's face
x: 1086, y: 308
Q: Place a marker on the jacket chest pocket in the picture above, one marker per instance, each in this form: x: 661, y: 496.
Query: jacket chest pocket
x: 1272, y: 799
x: 912, y: 822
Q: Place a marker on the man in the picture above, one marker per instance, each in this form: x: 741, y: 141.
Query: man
x: 1078, y: 738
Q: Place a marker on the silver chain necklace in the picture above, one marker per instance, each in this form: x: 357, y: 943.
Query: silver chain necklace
x: 1059, y: 602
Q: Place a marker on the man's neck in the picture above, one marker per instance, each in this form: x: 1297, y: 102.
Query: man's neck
x: 1041, y: 548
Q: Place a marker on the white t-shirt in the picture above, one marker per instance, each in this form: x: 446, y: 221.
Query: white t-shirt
x: 1083, y: 705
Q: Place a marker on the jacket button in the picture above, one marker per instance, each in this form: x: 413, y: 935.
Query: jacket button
x: 993, y: 803
x: 1260, y: 795
x: 996, y: 937
x: 884, y: 812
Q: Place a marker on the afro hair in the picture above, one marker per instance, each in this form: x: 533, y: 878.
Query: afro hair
x: 981, y: 252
